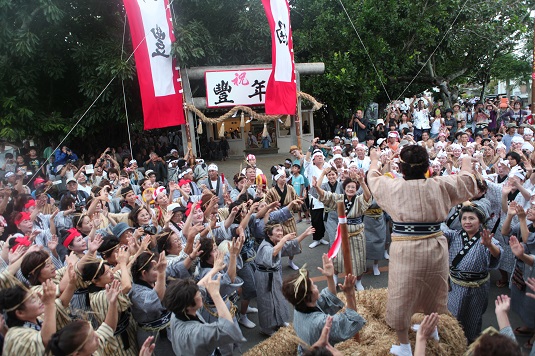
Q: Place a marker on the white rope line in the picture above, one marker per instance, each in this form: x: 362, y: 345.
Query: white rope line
x: 127, y: 122
x: 366, y: 50
x: 86, y: 111
x: 442, y: 40
x: 124, y: 95
x: 76, y: 124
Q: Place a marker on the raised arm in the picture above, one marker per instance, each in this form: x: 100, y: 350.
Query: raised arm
x: 234, y: 251
x: 48, y: 298
x: 159, y: 286
x: 112, y: 292
x: 212, y: 286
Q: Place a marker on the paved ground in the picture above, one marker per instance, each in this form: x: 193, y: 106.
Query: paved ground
x: 313, y: 259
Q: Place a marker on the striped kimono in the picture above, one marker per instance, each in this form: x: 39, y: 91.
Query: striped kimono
x: 355, y: 226
x: 274, y: 194
x: 124, y: 343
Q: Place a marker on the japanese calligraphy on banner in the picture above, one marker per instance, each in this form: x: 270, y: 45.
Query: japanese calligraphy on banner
x: 281, y: 98
x: 159, y: 80
x: 236, y: 87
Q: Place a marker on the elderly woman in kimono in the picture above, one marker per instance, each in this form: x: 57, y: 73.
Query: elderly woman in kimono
x: 417, y: 281
x: 284, y: 194
x: 472, y: 253
x: 522, y: 242
x: 312, y: 307
x: 272, y: 309
x: 355, y: 205
x: 190, y: 334
x: 333, y: 185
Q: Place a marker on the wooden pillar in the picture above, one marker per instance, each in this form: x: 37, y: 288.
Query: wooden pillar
x: 188, y: 130
x: 298, y: 120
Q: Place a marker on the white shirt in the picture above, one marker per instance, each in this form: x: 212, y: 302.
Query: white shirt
x: 311, y: 170
x: 421, y: 119
x: 363, y: 164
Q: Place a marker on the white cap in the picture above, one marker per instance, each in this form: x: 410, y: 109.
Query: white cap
x: 380, y: 141
x: 173, y: 151
x: 503, y: 162
x: 527, y: 146
x: 528, y: 131
x: 500, y: 146
x: 380, y: 122
x: 354, y: 138
x: 456, y: 146
x: 149, y: 172
x: 338, y: 155
x: 279, y: 174
x: 317, y: 153
x: 337, y: 148
x: 213, y: 167
x: 517, y: 171
x: 442, y: 154
x: 517, y: 139
x: 158, y: 191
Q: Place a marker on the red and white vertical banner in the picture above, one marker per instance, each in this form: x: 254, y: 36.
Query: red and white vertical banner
x: 159, y: 80
x: 281, y: 92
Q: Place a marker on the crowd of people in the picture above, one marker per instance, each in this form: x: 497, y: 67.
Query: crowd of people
x: 155, y: 251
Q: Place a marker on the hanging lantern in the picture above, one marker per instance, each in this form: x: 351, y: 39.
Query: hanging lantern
x: 242, y: 122
x: 265, y: 132
x: 199, y: 127
x: 222, y: 130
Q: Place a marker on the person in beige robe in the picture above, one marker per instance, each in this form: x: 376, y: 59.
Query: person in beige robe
x: 418, y: 270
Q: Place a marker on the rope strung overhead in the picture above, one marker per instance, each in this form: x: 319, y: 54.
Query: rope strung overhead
x: 253, y: 114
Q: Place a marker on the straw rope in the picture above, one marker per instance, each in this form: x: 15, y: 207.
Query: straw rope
x: 261, y: 117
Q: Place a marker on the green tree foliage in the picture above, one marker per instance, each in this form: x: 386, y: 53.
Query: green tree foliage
x: 402, y: 37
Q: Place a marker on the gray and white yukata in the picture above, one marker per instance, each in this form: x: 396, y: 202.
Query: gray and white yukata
x: 195, y: 337
x: 331, y: 215
x: 521, y: 304
x: 469, y: 303
x: 272, y: 307
x: 309, y: 324
x: 228, y: 291
x: 152, y: 318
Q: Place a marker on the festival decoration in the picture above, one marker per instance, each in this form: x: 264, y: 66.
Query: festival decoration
x: 159, y: 79
x: 281, y: 97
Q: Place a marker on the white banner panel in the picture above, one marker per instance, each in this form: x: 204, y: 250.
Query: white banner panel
x: 281, y: 16
x: 236, y: 87
x: 153, y: 14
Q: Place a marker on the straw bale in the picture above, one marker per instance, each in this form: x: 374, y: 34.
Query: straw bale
x: 376, y: 337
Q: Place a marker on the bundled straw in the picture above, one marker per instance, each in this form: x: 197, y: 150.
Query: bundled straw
x: 376, y: 337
